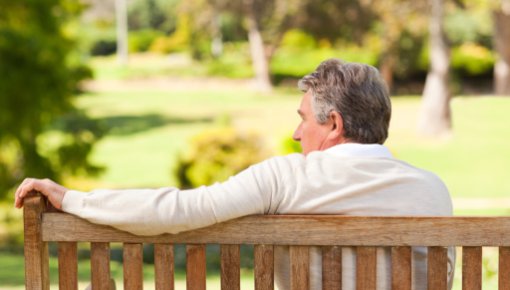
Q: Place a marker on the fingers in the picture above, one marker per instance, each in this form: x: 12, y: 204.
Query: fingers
x: 22, y: 191
x: 28, y: 185
x: 55, y: 192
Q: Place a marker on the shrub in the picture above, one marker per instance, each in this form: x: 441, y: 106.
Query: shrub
x: 472, y: 59
x: 141, y: 40
x: 217, y: 154
x: 103, y: 47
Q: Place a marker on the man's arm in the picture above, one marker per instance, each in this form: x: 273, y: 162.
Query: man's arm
x: 165, y: 210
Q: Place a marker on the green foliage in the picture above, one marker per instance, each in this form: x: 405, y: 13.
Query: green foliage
x: 235, y: 62
x: 38, y: 81
x: 178, y: 41
x: 472, y: 59
x: 289, y: 145
x: 298, y: 39
x: 141, y: 40
x: 296, y: 62
x: 217, y: 154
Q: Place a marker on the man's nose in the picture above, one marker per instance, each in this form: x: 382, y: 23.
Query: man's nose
x: 297, y: 135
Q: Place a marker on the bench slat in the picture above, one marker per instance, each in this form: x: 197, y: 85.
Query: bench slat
x: 437, y: 275
x: 230, y: 267
x: 164, y: 266
x: 366, y: 265
x: 133, y: 266
x: 100, y: 265
x: 328, y: 230
x: 401, y: 268
x: 36, y: 250
x: 68, y: 265
x: 504, y: 268
x: 471, y: 268
x: 299, y: 267
x: 264, y: 267
x: 331, y: 268
x: 195, y: 267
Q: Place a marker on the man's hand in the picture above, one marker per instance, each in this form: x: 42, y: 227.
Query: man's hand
x: 53, y: 191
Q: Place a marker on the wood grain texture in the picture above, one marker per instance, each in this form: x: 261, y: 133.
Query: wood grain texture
x: 195, y: 267
x: 366, y: 263
x: 132, y: 255
x: 437, y: 269
x: 304, y: 230
x: 68, y: 265
x: 100, y: 265
x: 264, y: 267
x: 299, y: 267
x: 471, y: 268
x: 331, y: 268
x: 35, y: 249
x: 164, y: 266
x: 230, y: 267
x: 504, y: 268
x: 401, y: 271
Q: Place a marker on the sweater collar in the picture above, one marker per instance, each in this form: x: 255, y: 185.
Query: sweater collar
x: 360, y: 150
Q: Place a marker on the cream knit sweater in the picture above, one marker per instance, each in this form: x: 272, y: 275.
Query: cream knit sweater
x: 350, y: 179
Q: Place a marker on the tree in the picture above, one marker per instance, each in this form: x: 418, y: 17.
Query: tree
x: 394, y: 16
x: 39, y: 79
x: 502, y: 47
x: 435, y: 116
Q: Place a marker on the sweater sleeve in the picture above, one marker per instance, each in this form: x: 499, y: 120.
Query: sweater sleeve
x: 170, y: 210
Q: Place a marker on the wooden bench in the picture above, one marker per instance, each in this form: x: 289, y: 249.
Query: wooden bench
x: 299, y: 232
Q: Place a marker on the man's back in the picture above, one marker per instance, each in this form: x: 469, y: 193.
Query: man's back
x: 355, y: 179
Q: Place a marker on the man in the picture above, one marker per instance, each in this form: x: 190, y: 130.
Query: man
x: 344, y: 169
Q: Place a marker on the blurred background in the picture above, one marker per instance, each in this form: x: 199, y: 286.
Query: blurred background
x: 152, y: 93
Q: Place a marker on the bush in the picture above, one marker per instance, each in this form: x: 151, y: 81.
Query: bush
x: 472, y: 59
x: 296, y: 63
x: 217, y: 154
x: 298, y: 39
x: 103, y: 47
x: 141, y: 40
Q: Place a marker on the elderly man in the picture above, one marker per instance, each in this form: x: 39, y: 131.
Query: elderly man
x: 344, y: 169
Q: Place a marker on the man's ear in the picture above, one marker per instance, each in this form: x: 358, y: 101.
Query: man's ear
x: 336, y: 125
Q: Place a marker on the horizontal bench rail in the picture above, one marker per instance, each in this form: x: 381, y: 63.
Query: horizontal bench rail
x: 323, y: 230
x: 302, y: 233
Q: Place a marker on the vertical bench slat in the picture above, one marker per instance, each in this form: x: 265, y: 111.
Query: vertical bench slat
x: 264, y: 267
x: 68, y: 265
x: 366, y: 265
x: 230, y: 267
x: 471, y: 268
x: 331, y: 268
x: 100, y: 265
x: 437, y: 275
x: 299, y: 267
x: 164, y: 266
x: 195, y: 267
x: 132, y: 256
x: 504, y: 268
x: 401, y: 271
x: 36, y: 251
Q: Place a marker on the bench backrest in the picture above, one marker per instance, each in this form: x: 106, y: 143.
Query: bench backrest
x: 264, y: 232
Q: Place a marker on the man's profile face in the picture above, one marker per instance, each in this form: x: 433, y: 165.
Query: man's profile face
x: 310, y: 133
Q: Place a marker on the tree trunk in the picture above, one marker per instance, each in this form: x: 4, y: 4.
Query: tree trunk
x: 257, y: 49
x: 502, y: 46
x: 386, y: 68
x: 435, y: 116
x: 122, y: 31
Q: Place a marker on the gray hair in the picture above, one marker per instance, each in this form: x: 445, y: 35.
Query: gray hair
x: 357, y: 92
